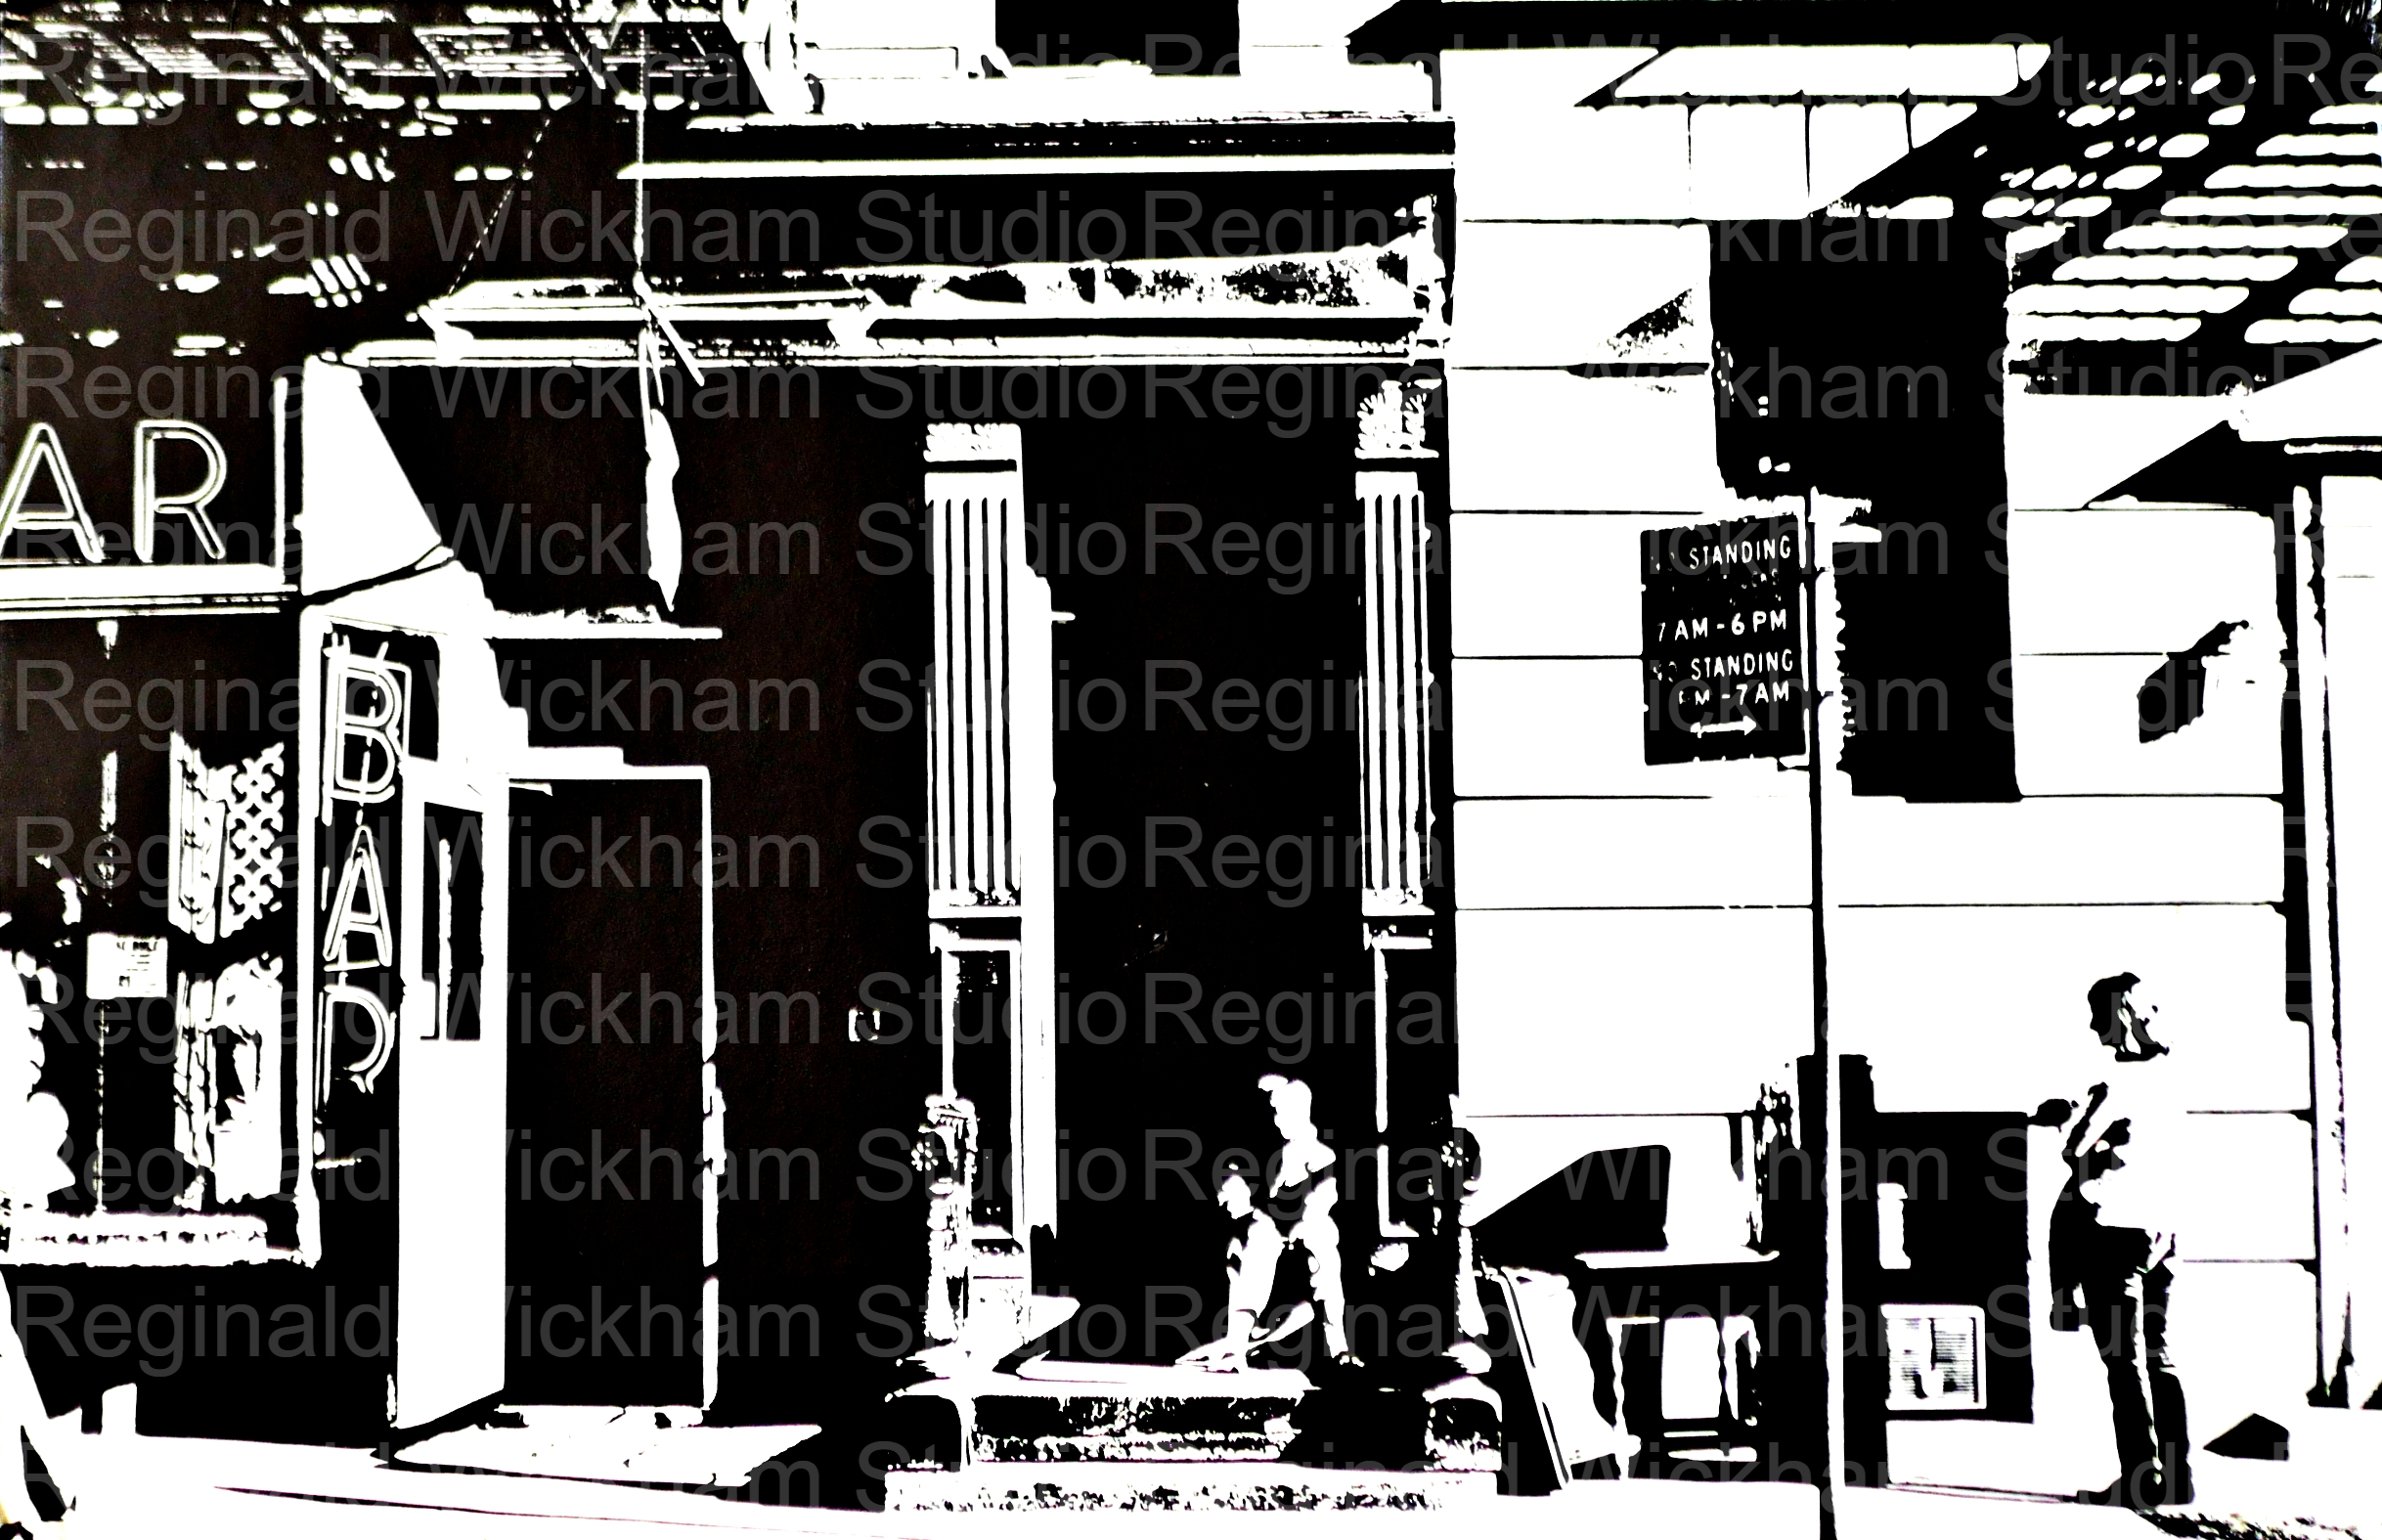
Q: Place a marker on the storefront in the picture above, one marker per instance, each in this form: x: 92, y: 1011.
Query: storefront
x: 743, y: 812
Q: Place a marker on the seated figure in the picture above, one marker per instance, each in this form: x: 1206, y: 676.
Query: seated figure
x: 1301, y: 1185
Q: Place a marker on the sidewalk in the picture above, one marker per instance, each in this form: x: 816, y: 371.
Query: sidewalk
x: 170, y: 1488
x: 237, y: 1490
x: 2331, y: 1482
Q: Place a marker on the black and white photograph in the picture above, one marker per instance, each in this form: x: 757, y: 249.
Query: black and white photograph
x: 1408, y: 769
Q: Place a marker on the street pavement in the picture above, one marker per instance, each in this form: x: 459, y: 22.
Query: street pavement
x: 138, y: 1488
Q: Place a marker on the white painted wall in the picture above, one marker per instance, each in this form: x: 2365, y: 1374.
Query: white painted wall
x: 1631, y: 940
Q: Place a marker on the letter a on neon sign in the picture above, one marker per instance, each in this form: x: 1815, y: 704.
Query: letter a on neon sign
x: 41, y: 449
x: 361, y: 909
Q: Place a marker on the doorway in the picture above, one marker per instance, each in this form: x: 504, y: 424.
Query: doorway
x: 610, y: 1232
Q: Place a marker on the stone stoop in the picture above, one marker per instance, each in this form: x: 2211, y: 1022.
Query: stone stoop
x: 1052, y: 1434
x: 1054, y: 1412
x: 1210, y: 1485
x: 1079, y: 1412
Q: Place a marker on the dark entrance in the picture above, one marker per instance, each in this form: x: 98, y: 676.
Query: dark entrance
x: 603, y: 1212
x: 1208, y: 915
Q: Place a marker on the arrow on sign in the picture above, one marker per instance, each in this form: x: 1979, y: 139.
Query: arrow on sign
x: 1741, y: 724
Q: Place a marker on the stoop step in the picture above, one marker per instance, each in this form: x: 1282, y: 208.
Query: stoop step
x: 1244, y: 1485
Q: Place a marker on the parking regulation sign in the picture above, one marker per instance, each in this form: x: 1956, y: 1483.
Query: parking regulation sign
x: 1722, y: 617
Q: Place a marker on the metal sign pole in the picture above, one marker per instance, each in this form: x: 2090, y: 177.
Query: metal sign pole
x: 1820, y: 675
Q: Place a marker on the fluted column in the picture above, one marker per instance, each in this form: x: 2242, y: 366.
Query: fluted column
x: 989, y: 835
x: 973, y: 492
x: 1396, y: 695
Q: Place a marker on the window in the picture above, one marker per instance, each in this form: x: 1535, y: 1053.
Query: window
x: 450, y: 943
x: 1936, y: 1356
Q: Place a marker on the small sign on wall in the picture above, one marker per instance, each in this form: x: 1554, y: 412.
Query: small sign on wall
x: 1938, y: 1358
x: 125, y: 967
x: 1721, y: 637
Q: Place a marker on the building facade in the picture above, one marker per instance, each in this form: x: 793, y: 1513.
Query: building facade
x: 701, y: 697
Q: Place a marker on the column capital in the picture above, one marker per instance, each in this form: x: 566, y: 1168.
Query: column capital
x: 973, y: 445
x: 1391, y: 421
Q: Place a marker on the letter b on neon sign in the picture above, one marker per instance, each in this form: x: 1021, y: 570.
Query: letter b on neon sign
x: 367, y: 723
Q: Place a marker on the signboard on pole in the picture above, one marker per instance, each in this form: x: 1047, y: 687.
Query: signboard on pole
x: 1721, y: 612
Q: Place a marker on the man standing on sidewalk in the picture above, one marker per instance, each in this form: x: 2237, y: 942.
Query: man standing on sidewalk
x: 2114, y: 1237
x: 33, y: 1129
